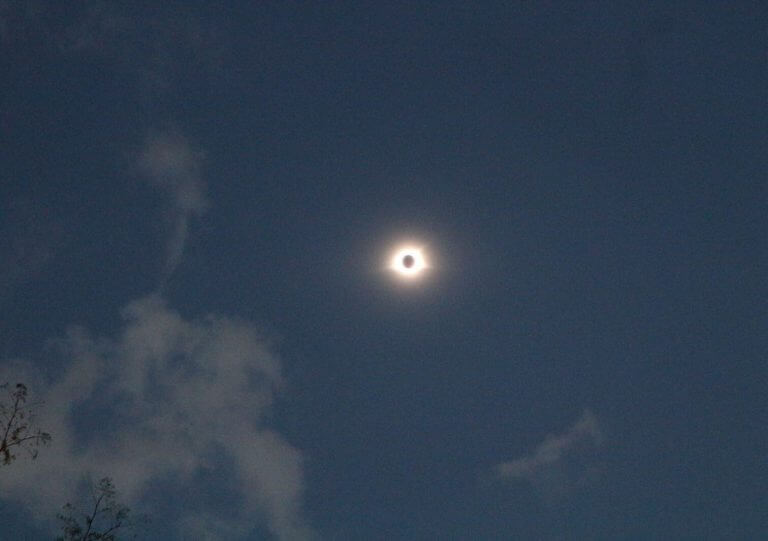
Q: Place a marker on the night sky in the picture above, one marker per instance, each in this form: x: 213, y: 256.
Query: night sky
x: 198, y: 202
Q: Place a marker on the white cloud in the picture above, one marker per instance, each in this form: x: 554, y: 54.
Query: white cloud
x: 173, y: 166
x: 157, y: 401
x: 545, y: 467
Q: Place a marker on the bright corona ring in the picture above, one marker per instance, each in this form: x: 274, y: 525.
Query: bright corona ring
x: 409, y: 262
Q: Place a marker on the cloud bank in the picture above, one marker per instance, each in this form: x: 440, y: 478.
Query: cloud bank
x: 166, y: 398
x: 559, y: 460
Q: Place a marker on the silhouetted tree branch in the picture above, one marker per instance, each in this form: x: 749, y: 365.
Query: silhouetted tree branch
x: 17, y: 420
x: 105, y: 518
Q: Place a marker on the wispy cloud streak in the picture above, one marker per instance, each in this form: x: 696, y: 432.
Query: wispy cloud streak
x: 545, y: 466
x: 173, y: 166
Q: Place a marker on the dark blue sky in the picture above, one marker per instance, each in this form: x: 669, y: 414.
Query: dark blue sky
x: 195, y: 203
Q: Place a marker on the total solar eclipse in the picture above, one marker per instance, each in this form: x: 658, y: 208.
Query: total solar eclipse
x: 408, y: 262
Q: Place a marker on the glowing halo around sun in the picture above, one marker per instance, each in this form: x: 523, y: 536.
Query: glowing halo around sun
x: 408, y: 262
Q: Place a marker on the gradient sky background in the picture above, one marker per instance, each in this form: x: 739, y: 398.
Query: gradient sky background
x: 195, y: 201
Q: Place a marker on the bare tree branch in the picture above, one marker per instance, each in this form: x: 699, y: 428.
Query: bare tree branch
x: 106, y: 517
x: 17, y: 426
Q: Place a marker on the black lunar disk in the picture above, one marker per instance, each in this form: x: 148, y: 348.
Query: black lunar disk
x: 408, y: 261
